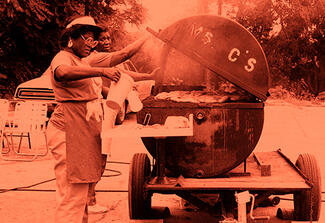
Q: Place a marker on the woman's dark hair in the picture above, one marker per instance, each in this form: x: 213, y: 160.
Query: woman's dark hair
x: 106, y: 29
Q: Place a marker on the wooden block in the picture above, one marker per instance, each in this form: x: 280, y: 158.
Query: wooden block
x: 265, y: 170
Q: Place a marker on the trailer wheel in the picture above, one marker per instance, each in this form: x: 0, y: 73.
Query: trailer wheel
x: 308, y: 201
x: 139, y: 200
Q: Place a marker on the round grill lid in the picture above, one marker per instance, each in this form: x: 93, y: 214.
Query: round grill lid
x: 223, y: 46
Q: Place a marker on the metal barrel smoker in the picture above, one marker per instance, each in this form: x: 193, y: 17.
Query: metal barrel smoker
x: 213, y: 154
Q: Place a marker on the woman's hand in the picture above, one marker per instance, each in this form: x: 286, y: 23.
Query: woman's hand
x: 112, y: 73
x: 94, y: 108
x: 154, y: 73
x: 151, y: 76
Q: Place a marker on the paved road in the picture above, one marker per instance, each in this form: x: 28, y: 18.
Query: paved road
x: 292, y: 128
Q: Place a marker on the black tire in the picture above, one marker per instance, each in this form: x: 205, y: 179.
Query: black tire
x: 304, y: 200
x: 139, y: 200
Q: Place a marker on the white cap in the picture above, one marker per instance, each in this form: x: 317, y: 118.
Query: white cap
x: 84, y: 20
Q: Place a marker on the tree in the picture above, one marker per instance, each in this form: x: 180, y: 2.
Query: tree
x: 291, y: 32
x: 29, y: 31
x: 294, y: 53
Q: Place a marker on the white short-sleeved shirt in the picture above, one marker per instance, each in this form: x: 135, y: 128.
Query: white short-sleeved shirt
x: 79, y: 90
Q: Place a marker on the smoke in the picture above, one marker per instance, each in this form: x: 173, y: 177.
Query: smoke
x: 162, y: 14
x: 178, y: 69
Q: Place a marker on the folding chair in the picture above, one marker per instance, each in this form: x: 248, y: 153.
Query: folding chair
x: 29, y: 121
x: 4, y: 108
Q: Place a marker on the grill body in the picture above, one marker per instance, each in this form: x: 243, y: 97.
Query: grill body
x: 225, y: 134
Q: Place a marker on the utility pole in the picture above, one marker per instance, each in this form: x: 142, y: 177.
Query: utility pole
x: 220, y: 2
x: 87, y: 11
x: 202, y: 6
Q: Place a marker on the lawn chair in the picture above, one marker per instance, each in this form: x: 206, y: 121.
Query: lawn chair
x: 4, y: 108
x: 29, y: 121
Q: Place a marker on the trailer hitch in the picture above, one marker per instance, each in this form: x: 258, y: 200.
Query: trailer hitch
x: 242, y: 198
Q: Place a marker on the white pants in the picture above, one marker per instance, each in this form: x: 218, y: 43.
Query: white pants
x: 71, y: 198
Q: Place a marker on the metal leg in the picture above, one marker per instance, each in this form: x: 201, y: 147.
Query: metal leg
x: 32, y: 156
x: 160, y: 163
x: 20, y: 140
x: 28, y: 135
x: 161, y: 156
x: 3, y: 137
x: 245, y: 166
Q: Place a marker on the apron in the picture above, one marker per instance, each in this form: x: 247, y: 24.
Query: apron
x: 83, y: 144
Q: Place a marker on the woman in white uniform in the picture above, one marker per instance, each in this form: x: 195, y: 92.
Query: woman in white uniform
x: 75, y: 141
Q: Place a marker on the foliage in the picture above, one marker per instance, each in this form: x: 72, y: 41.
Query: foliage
x: 296, y: 51
x: 29, y: 31
x: 291, y: 32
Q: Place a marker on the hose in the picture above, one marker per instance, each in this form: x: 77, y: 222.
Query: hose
x: 290, y: 199
x: 27, y: 188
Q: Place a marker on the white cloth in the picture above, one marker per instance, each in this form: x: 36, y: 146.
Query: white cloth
x: 108, y: 123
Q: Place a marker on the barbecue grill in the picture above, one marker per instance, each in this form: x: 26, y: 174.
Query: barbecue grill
x: 214, y: 74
